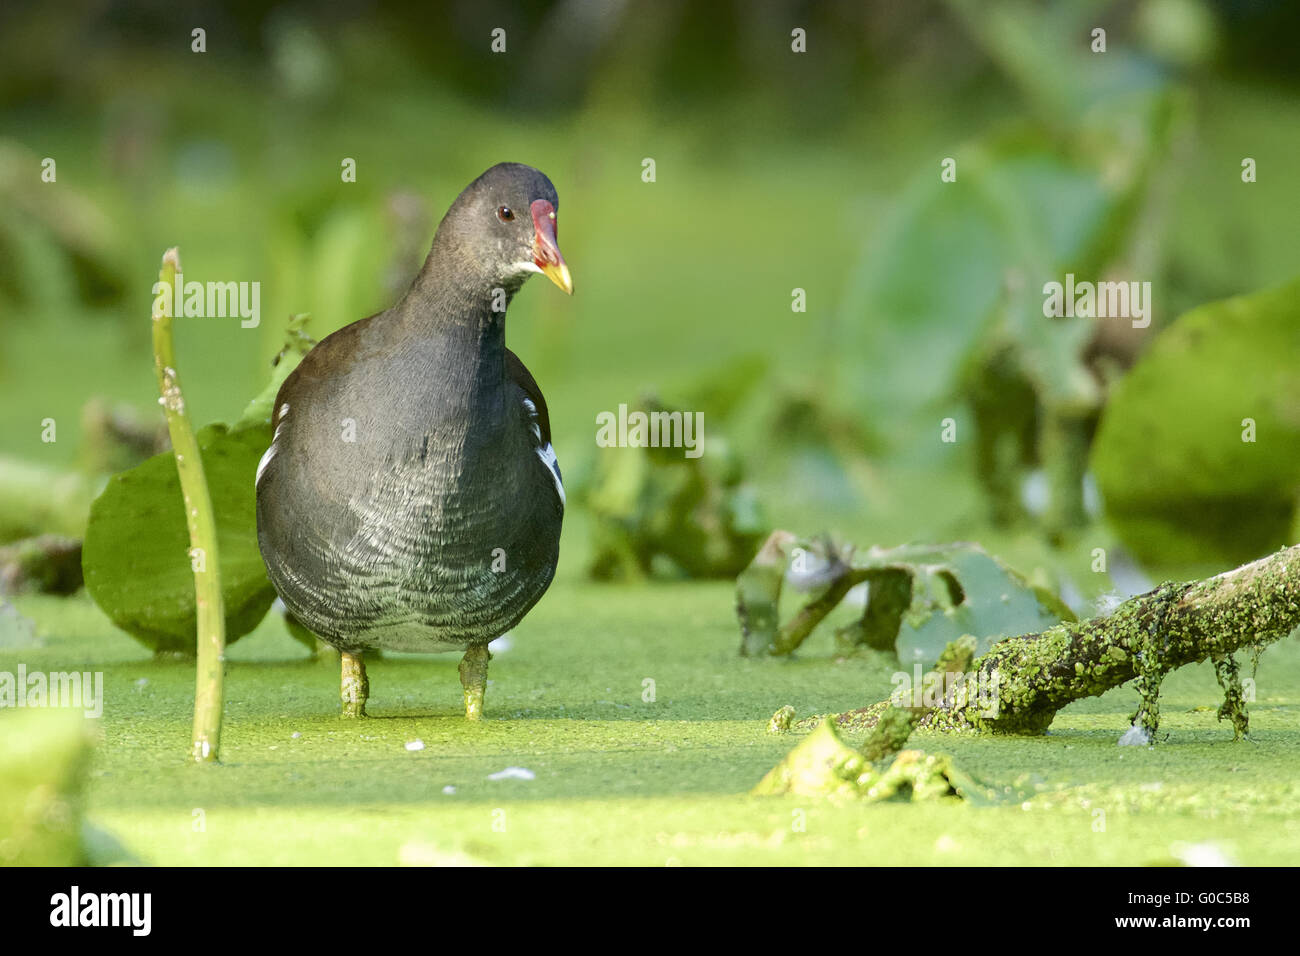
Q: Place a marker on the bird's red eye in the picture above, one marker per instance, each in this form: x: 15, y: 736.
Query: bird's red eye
x: 504, y: 214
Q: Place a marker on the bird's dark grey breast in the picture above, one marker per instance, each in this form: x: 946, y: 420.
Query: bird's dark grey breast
x: 395, y: 512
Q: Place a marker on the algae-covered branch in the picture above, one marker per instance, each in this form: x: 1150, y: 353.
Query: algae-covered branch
x: 1038, y: 673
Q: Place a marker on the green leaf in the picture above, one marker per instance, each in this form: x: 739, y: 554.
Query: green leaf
x: 956, y: 589
x: 916, y: 319
x: 921, y: 598
x: 1027, y: 206
x: 1181, y: 484
x: 136, y: 555
x: 1023, y: 215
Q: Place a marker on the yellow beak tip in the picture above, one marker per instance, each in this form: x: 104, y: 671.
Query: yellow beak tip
x: 560, y: 276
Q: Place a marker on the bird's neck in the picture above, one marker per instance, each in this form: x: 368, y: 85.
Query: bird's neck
x: 455, y: 313
x: 457, y: 287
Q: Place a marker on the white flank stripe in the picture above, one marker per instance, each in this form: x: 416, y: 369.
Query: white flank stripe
x: 532, y: 419
x: 547, y: 454
x: 261, y: 465
x: 270, y: 452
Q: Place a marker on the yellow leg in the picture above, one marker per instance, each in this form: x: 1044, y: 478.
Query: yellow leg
x: 473, y: 677
x: 355, y: 687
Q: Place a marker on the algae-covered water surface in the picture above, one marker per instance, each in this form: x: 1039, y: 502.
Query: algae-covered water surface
x: 641, y: 732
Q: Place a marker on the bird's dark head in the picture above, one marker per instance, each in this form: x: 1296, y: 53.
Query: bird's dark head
x: 504, y: 222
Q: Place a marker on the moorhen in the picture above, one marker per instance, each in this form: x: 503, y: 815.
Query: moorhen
x: 410, y: 499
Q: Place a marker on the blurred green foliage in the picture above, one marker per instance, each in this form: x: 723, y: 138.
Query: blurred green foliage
x: 775, y: 171
x: 44, y: 756
x: 1198, y: 455
x: 671, y: 511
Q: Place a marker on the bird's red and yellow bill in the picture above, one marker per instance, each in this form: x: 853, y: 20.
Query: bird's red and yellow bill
x: 546, y: 249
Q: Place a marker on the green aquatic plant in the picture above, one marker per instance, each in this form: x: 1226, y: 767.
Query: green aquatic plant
x: 144, y: 582
x: 921, y: 597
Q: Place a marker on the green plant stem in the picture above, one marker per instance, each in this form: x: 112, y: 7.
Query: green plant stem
x: 201, y: 521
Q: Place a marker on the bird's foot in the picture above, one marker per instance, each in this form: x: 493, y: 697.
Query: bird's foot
x: 473, y: 677
x: 355, y: 687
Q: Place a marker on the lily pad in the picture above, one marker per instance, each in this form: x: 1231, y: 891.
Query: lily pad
x: 136, y: 556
